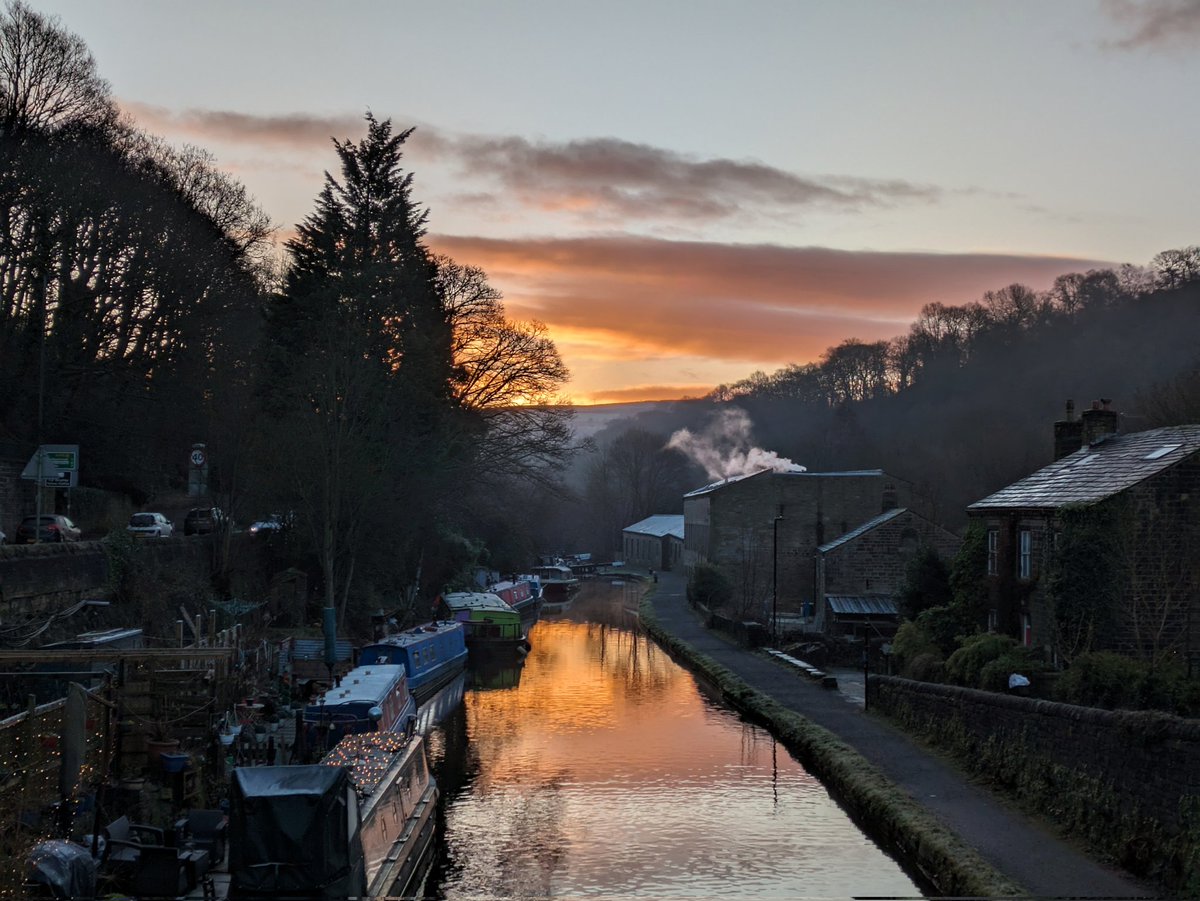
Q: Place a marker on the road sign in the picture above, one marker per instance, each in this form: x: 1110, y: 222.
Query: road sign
x: 51, y: 461
x: 198, y: 457
x: 67, y: 461
x: 57, y: 479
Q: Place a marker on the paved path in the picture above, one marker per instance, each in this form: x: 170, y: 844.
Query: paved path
x: 1022, y: 849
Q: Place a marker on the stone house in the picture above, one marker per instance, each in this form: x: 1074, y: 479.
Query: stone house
x: 763, y: 529
x: 1140, y: 495
x: 656, y: 542
x: 860, y: 573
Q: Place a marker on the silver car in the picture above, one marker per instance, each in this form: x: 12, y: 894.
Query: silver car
x: 149, y: 525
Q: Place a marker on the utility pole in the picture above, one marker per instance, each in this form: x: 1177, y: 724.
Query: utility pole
x: 41, y: 458
x: 775, y: 579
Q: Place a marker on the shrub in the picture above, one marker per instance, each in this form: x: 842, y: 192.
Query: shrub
x: 709, y: 587
x: 1110, y: 680
x: 926, y: 583
x: 1101, y: 679
x: 995, y: 673
x: 925, y: 668
x: 965, y: 666
x: 911, y: 642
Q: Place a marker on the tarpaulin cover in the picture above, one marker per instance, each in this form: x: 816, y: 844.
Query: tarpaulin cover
x: 294, y: 830
x: 65, y: 867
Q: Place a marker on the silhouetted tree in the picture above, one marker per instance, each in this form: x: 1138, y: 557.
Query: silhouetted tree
x: 359, y: 386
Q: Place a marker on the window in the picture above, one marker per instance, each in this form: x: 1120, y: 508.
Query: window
x: 993, y: 544
x: 993, y: 620
x: 1025, y: 557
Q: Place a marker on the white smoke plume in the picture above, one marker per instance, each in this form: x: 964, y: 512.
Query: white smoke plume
x: 724, y: 448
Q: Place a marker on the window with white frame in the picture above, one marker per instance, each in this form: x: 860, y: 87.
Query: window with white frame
x: 1025, y: 554
x: 993, y: 545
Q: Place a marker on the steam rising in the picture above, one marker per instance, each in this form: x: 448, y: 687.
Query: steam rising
x: 724, y: 448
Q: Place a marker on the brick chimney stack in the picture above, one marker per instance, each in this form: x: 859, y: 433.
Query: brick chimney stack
x: 1068, y: 434
x: 1099, y: 422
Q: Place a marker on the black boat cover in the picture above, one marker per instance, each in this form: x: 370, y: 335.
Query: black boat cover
x: 294, y: 831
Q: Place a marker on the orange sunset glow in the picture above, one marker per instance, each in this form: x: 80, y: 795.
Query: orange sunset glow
x: 670, y: 248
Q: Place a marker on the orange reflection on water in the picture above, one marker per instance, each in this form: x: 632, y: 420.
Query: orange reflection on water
x: 603, y: 771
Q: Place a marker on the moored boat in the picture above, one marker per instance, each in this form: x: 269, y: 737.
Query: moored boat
x: 358, y: 824
x: 519, y: 594
x: 373, y: 698
x: 558, y: 583
x: 491, y: 625
x: 432, y: 655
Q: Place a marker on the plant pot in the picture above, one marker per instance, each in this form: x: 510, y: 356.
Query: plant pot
x: 158, y: 746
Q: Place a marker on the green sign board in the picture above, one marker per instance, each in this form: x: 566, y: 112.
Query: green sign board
x: 66, y: 461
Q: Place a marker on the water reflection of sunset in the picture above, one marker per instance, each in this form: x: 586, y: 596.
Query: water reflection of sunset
x: 605, y: 771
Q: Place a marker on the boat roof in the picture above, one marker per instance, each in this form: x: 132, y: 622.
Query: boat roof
x: 476, y: 600
x: 418, y: 634
x: 364, y: 683
x: 367, y: 756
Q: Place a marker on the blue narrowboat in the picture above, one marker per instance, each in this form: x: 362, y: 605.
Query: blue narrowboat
x: 432, y: 654
x: 367, y: 699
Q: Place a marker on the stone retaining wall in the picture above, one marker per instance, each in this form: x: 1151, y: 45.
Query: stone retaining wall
x: 1128, y: 782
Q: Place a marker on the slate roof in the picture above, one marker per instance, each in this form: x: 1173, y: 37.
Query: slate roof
x: 1097, y: 472
x: 863, y: 529
x: 791, y: 475
x: 862, y: 605
x: 659, y: 525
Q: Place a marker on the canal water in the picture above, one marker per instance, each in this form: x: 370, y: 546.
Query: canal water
x: 601, y: 768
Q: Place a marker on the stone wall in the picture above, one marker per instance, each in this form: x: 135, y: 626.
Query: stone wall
x: 36, y: 581
x: 48, y: 577
x: 1126, y: 782
x: 876, y: 561
x: 14, y: 492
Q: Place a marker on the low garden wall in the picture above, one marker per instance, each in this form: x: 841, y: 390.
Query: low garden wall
x: 1128, y: 782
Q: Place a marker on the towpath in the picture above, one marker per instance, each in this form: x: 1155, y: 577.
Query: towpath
x: 1017, y: 846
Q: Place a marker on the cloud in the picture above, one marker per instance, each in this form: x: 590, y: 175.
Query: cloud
x: 607, y: 178
x: 635, y: 393
x: 1155, y: 23
x: 597, y: 180
x: 757, y: 304
x: 294, y: 130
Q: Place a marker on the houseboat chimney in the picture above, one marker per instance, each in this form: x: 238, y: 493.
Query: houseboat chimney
x: 1099, y: 422
x: 1068, y: 434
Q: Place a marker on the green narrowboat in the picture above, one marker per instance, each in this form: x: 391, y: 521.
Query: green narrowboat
x: 492, y: 626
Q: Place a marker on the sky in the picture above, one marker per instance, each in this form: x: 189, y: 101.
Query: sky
x: 688, y: 192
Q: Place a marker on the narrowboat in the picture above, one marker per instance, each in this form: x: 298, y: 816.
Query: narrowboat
x: 558, y: 583
x: 432, y: 655
x: 519, y: 594
x: 373, y: 698
x: 491, y: 625
x: 358, y: 824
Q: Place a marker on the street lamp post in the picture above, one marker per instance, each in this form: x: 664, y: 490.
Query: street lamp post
x: 775, y: 579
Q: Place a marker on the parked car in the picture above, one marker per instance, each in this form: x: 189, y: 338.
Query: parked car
x: 273, y: 524
x: 201, y: 520
x: 150, y: 525
x: 52, y: 527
